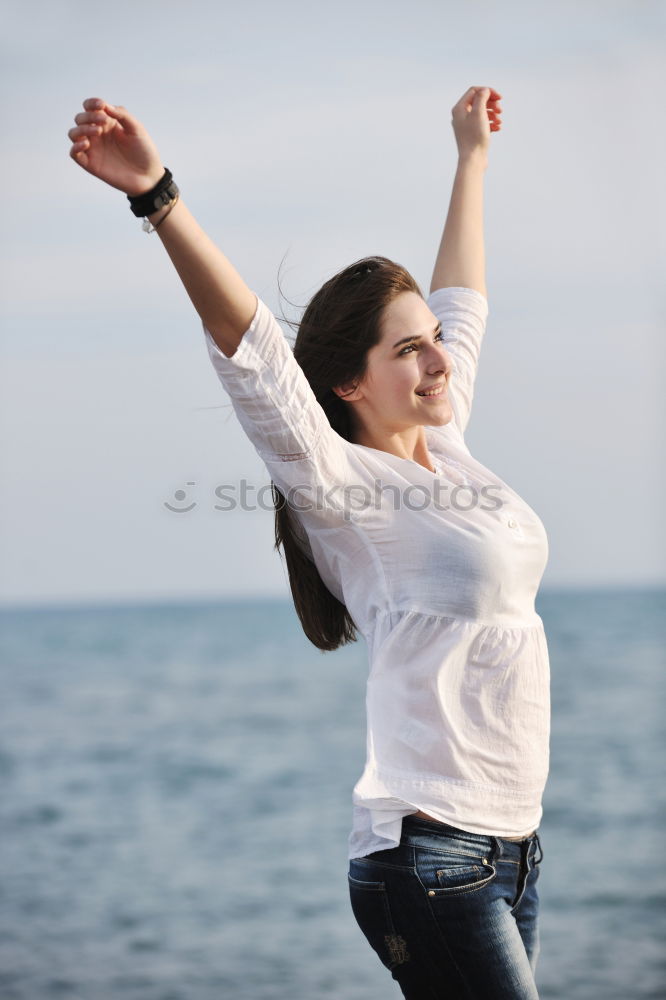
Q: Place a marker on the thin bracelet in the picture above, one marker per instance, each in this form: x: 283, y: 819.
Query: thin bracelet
x: 148, y: 227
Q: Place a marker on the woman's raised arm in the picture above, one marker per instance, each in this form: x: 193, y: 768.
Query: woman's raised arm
x: 461, y: 257
x: 111, y: 144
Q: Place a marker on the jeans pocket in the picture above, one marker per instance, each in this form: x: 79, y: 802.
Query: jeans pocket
x: 444, y: 873
x: 370, y: 905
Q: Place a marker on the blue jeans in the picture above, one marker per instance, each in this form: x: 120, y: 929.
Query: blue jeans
x: 451, y: 914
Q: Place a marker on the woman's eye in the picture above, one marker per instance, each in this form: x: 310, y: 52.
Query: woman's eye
x: 407, y: 350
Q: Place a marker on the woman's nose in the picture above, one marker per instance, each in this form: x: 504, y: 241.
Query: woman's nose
x: 441, y: 361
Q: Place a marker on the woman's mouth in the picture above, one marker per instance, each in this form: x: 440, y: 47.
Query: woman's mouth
x: 435, y: 391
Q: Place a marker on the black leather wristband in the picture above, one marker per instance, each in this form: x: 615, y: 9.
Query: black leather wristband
x: 164, y: 192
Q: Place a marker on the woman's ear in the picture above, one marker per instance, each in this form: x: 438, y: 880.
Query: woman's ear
x: 348, y: 391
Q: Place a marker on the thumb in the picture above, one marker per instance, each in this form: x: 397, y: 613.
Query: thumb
x: 481, y: 97
x: 130, y: 124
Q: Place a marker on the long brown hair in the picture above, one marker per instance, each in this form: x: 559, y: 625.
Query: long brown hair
x: 339, y: 326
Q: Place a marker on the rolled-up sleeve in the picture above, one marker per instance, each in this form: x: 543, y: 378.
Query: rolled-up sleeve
x: 463, y: 313
x: 280, y: 413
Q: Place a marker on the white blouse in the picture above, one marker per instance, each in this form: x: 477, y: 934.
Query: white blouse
x: 438, y: 571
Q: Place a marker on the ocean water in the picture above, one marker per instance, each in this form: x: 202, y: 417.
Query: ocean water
x: 176, y: 801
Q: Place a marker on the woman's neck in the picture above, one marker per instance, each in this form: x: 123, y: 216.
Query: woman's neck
x: 410, y: 444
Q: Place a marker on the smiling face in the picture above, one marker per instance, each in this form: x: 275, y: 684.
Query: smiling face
x: 409, y: 359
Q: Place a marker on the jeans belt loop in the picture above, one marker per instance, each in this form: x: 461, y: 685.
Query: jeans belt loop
x: 496, y: 849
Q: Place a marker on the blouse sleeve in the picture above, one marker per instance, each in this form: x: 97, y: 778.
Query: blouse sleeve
x: 462, y: 313
x: 279, y: 412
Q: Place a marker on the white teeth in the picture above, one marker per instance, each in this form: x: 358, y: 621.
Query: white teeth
x: 431, y: 392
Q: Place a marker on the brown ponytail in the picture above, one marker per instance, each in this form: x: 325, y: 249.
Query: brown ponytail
x: 339, y: 326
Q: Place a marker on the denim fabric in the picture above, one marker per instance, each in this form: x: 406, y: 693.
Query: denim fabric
x: 452, y: 915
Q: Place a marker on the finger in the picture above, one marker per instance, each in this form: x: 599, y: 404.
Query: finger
x: 78, y: 131
x: 83, y: 131
x: 93, y: 103
x: 79, y: 152
x: 90, y: 118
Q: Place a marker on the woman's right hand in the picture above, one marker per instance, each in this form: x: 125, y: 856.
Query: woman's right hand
x: 112, y: 145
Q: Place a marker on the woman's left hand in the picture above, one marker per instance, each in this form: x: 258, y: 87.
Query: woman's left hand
x: 474, y: 117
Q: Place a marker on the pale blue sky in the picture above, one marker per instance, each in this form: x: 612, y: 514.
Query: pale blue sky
x: 324, y: 133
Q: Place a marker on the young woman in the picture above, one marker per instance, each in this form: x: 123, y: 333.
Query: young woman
x: 391, y: 529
